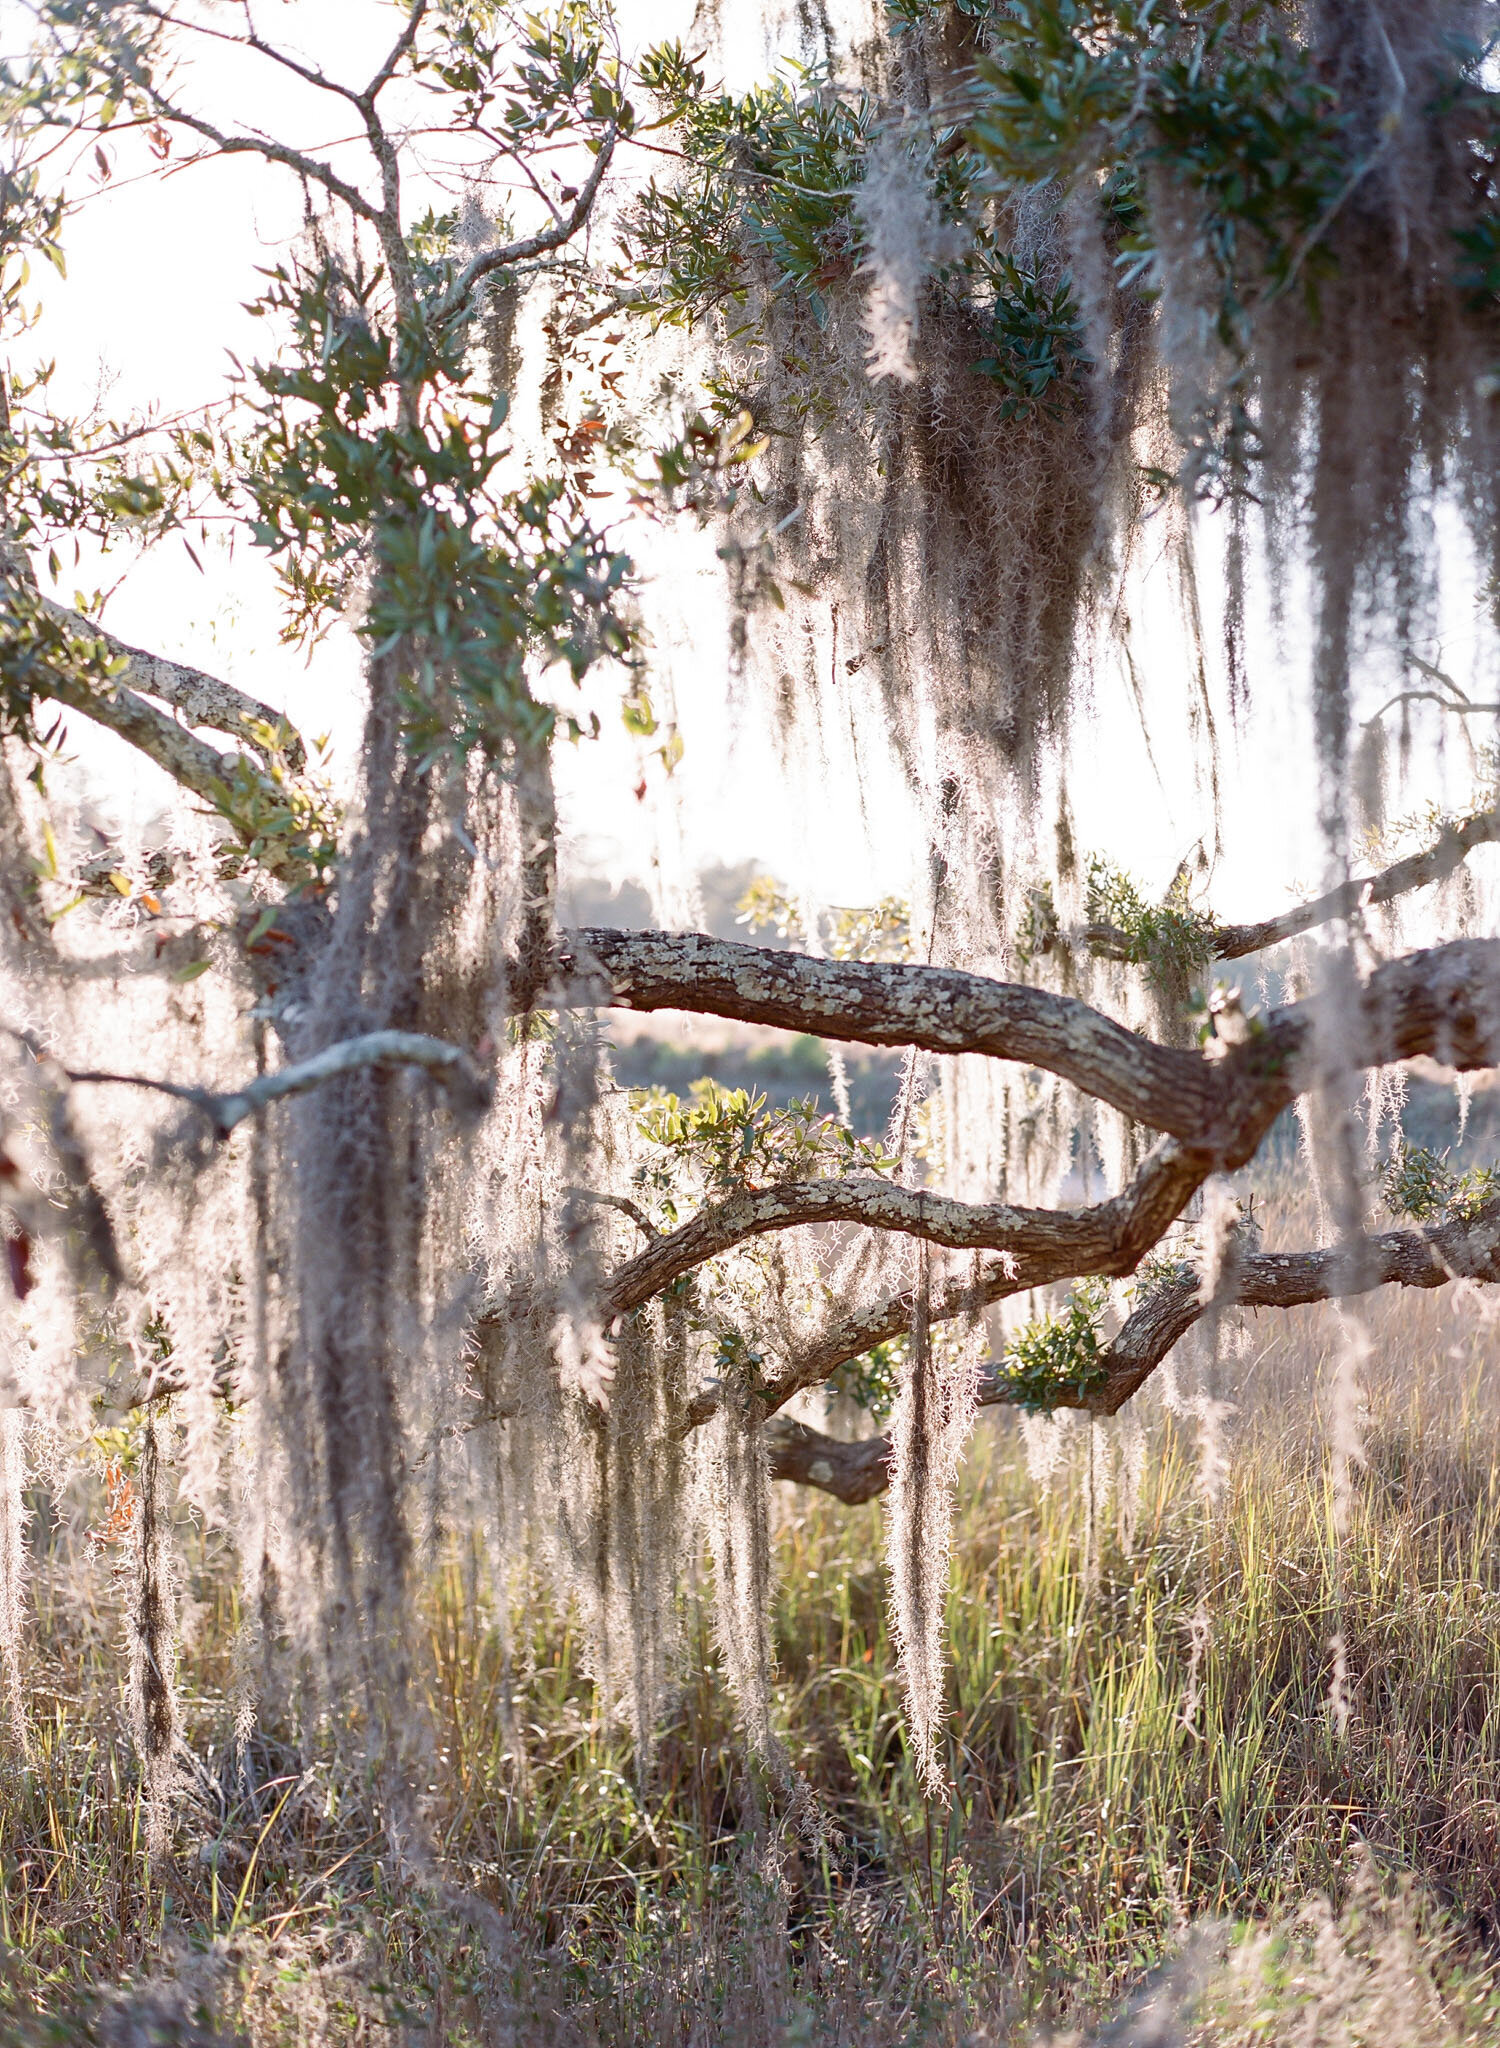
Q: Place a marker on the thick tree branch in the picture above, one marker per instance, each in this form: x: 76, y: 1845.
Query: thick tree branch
x: 1109, y: 1237
x: 1464, y: 1248
x: 853, y: 1471
x: 1443, y: 1002
x: 879, y: 1003
x: 188, y: 760
x: 202, y: 699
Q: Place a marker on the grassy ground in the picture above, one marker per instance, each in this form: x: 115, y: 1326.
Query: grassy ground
x: 1144, y: 1761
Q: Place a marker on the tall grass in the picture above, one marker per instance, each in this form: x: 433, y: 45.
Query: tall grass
x: 1141, y: 1752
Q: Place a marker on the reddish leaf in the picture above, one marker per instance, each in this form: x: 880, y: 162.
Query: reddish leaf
x: 18, y: 1251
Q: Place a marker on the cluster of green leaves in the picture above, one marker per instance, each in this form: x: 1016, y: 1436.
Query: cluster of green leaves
x: 1059, y: 1355
x: 1217, y: 96
x: 1147, y: 101
x: 769, y: 198
x: 284, y: 817
x: 1421, y: 1184
x: 877, y: 931
x: 1163, y: 1269
x: 727, y: 1139
x: 526, y: 80
x: 873, y: 1380
x: 770, y: 173
x: 1035, y: 337
x: 40, y: 651
x: 373, y: 442
x: 1172, y: 936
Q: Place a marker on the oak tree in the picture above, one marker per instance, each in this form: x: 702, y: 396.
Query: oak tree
x: 312, y: 1159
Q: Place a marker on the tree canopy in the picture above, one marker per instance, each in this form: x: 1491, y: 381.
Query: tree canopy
x: 313, y: 1163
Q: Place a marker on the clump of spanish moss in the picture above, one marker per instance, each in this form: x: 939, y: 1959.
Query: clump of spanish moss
x: 933, y: 1417
x: 153, y: 1644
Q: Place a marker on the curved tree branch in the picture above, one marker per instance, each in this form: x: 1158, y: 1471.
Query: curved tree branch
x: 941, y: 1009
x: 191, y: 762
x: 399, y: 50
x: 1111, y: 1236
x: 203, y: 700
x: 1443, y: 1001
x: 456, y: 299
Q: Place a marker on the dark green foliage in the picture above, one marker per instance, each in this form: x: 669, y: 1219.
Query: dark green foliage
x: 1054, y: 1358
x: 1421, y: 1184
x: 872, y: 1380
x: 1172, y: 936
x: 366, y: 446
x: 772, y: 173
x: 1060, y: 1354
x: 530, y: 78
x: 1036, y: 335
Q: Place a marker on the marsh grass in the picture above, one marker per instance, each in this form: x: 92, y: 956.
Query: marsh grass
x: 1140, y: 1745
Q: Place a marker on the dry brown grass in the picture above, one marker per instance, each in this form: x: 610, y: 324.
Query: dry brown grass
x: 1125, y: 1780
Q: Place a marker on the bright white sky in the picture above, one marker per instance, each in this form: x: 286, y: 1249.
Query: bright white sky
x: 159, y: 270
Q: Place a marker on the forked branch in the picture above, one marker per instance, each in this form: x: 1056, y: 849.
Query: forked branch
x: 203, y: 700
x: 460, y: 293
x: 1460, y: 1249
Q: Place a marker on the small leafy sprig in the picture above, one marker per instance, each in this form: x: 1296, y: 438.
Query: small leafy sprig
x: 1172, y: 936
x: 877, y: 931
x: 872, y: 1380
x: 1419, y: 1183
x: 1059, y: 1355
x: 727, y: 1140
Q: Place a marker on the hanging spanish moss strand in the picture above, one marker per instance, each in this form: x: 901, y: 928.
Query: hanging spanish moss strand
x: 13, y: 1564
x: 153, y: 1645
x: 740, y: 1542
x: 933, y: 1414
x: 373, y: 1236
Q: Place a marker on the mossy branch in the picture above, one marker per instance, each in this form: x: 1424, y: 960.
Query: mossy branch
x: 449, y: 1064
x: 1470, y: 1250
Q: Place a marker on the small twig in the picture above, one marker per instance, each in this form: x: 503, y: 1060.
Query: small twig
x: 461, y: 290
x: 1463, y: 708
x: 625, y: 1206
